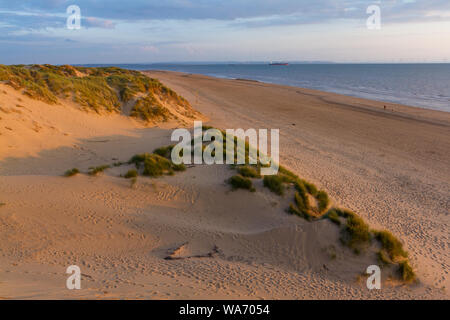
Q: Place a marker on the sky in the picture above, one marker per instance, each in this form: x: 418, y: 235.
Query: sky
x: 149, y: 31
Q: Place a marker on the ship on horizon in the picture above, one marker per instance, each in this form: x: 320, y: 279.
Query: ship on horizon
x: 278, y: 63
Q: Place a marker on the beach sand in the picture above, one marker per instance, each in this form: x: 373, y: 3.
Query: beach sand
x: 391, y: 166
x: 188, y: 236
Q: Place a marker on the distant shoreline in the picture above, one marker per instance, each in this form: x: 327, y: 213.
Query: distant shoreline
x: 388, y: 82
x: 389, y: 104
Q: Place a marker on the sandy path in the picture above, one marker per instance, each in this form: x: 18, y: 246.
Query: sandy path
x: 392, y: 166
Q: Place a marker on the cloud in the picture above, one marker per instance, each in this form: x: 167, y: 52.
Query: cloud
x: 91, y: 22
x: 28, y: 21
x: 149, y: 48
x: 20, y: 17
x: 167, y: 29
x: 227, y: 9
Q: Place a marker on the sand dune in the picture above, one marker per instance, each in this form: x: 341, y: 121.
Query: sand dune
x: 189, y: 236
x: 389, y: 165
x: 223, y: 244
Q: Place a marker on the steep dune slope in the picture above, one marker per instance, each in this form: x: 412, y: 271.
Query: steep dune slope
x: 45, y: 107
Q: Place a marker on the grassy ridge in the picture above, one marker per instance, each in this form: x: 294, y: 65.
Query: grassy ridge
x: 355, y: 233
x: 155, y: 165
x: 309, y: 203
x: 97, y: 89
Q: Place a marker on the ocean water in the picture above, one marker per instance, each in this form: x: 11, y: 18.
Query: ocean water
x: 421, y: 85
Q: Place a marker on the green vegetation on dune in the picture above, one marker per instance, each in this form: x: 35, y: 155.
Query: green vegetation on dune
x: 309, y: 203
x: 154, y: 165
x: 356, y: 233
x: 302, y: 201
x: 333, y: 217
x: 72, y: 172
x: 149, y: 108
x: 164, y: 151
x: 249, y: 172
x: 93, y: 171
x: 132, y: 173
x: 301, y: 207
x: 97, y: 89
x: 274, y: 184
x: 406, y: 272
x: 383, y: 257
x: 240, y: 182
x: 312, y: 189
x: 390, y: 244
x: 322, y: 200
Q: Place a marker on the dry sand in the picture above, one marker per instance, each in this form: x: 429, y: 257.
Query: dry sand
x: 188, y: 236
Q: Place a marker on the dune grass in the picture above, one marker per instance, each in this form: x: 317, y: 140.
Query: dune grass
x: 133, y: 182
x: 248, y: 171
x: 343, y: 212
x: 274, y: 184
x: 311, y: 188
x: 356, y: 233
x: 406, y: 272
x: 296, y: 211
x: 93, y: 171
x: 383, y: 257
x: 284, y: 179
x: 155, y: 165
x: 138, y: 159
x: 322, y: 200
x: 164, y: 151
x: 149, y: 164
x: 286, y: 175
x: 299, y: 208
x: 97, y: 89
x: 301, y: 196
x: 333, y: 216
x: 132, y: 173
x: 392, y: 246
x: 71, y: 172
x: 301, y: 200
x: 149, y: 108
x: 240, y: 182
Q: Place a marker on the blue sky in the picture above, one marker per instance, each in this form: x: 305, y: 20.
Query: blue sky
x: 134, y: 31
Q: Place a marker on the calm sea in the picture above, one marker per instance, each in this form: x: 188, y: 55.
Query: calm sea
x: 420, y: 85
